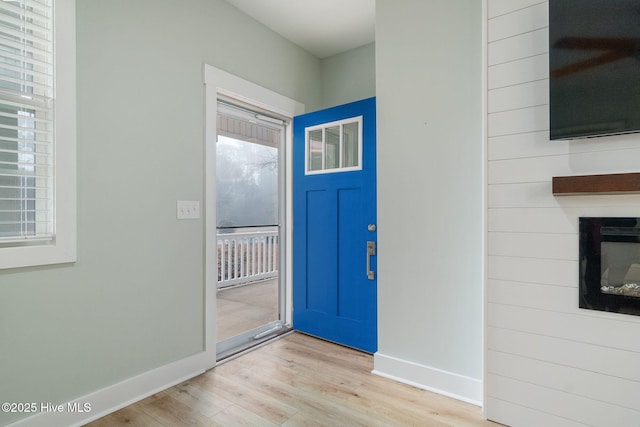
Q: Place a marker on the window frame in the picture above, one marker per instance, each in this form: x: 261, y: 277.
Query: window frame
x: 62, y: 248
x: 323, y: 127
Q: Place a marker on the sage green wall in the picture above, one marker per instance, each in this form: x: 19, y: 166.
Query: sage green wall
x: 430, y: 186
x: 134, y: 299
x: 349, y: 76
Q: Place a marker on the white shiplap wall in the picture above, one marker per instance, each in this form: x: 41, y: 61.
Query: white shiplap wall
x: 548, y: 363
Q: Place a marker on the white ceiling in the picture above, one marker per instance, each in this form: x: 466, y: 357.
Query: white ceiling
x: 322, y: 27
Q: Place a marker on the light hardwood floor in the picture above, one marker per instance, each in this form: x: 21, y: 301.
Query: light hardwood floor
x: 296, y: 380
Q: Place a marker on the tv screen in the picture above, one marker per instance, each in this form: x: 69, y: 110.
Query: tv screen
x: 594, y: 67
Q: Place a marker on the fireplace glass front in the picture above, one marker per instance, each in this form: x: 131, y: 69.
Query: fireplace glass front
x: 610, y: 264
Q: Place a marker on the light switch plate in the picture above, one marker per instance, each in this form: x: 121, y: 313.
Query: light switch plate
x: 188, y: 209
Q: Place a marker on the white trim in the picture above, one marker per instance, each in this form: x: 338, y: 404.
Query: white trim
x: 484, y: 76
x: 63, y: 248
x: 117, y: 396
x: 219, y: 82
x: 436, y: 380
x: 251, y: 93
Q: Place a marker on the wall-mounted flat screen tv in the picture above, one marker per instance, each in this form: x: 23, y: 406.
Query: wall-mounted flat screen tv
x: 594, y: 67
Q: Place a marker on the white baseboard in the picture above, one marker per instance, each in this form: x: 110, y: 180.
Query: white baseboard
x: 436, y: 380
x: 117, y: 396
x: 114, y: 397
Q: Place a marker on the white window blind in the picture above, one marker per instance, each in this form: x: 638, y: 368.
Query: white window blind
x: 26, y: 121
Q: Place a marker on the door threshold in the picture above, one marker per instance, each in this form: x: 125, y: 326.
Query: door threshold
x: 239, y: 351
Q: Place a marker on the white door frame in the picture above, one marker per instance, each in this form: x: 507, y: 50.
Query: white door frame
x: 219, y: 82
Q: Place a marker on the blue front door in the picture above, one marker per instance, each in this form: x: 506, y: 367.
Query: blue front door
x: 334, y: 224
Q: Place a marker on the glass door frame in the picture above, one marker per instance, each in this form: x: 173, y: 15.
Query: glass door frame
x: 218, y: 82
x: 249, y: 338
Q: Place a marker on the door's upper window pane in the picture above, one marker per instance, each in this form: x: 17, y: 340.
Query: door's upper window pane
x: 351, y: 144
x: 315, y: 150
x: 334, y: 147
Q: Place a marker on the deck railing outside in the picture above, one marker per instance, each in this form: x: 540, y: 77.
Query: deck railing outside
x: 247, y: 256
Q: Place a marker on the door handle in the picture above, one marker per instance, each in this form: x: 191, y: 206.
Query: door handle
x: 371, y: 251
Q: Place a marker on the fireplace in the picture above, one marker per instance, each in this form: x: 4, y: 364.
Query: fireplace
x: 610, y: 264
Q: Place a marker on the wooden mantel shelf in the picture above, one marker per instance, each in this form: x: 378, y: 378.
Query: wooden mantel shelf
x: 596, y: 184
